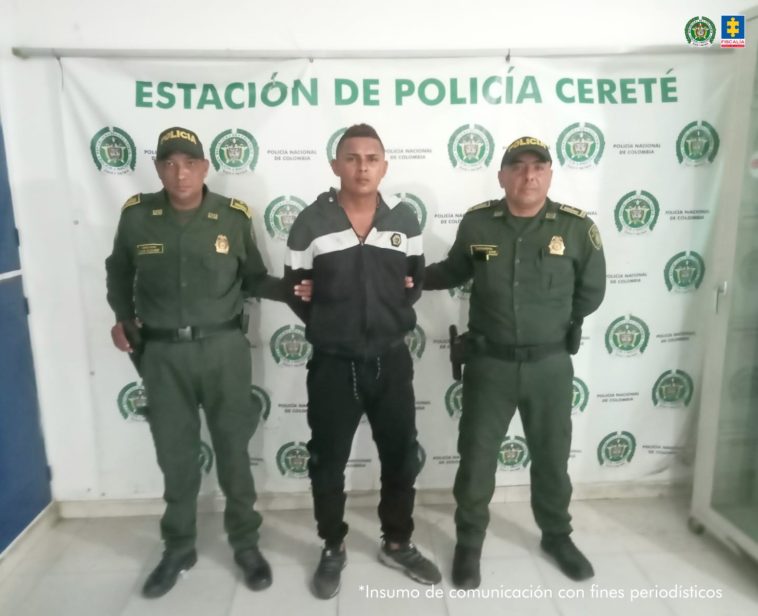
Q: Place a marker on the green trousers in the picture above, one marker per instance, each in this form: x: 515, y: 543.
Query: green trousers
x: 214, y: 372
x: 492, y: 390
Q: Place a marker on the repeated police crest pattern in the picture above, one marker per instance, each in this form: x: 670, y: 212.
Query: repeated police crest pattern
x: 655, y: 235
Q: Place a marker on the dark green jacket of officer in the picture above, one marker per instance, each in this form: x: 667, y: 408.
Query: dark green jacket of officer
x: 172, y: 273
x: 531, y: 277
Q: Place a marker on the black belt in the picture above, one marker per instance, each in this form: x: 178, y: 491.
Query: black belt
x: 189, y: 332
x: 522, y: 353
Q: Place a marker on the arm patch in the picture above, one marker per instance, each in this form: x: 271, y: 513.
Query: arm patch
x: 236, y: 204
x: 594, y: 234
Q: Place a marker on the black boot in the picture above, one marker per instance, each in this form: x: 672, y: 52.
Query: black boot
x: 256, y: 568
x: 164, y: 576
x: 567, y: 556
x: 466, y: 572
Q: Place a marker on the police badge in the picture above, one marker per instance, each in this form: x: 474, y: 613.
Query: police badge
x: 556, y: 245
x: 222, y: 245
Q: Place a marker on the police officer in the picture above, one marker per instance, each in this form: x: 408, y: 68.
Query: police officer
x: 538, y: 269
x: 182, y: 259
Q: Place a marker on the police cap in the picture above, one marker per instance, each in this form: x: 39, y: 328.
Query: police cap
x: 526, y: 144
x: 178, y: 140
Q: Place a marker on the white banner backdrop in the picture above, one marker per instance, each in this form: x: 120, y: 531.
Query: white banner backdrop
x: 635, y: 143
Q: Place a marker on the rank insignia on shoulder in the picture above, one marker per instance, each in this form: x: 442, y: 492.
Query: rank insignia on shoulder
x: 483, y: 252
x: 236, y: 204
x: 133, y: 200
x: 481, y: 206
x: 222, y: 244
x: 556, y: 245
x: 213, y: 215
x: 573, y: 210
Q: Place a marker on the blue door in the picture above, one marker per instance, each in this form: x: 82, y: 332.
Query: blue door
x: 24, y: 475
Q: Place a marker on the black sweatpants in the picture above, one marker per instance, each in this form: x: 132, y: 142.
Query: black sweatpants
x: 340, y: 390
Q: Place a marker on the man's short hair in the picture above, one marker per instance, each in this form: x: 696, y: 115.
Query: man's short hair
x: 359, y: 130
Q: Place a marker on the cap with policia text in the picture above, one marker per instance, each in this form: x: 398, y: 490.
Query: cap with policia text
x: 525, y: 144
x: 178, y: 140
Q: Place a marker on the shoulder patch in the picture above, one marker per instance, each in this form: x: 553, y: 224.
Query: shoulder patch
x: 133, y: 200
x: 573, y: 210
x: 236, y: 204
x: 594, y: 234
x: 481, y: 206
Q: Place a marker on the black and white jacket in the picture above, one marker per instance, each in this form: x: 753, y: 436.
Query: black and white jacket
x: 360, y: 306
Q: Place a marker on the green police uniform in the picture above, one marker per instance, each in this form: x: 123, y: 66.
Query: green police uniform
x: 532, y: 279
x: 184, y: 276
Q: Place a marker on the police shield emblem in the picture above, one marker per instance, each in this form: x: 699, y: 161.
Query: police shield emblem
x: 222, y: 244
x: 556, y: 245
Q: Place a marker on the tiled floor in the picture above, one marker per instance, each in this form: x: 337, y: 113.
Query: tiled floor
x: 96, y: 567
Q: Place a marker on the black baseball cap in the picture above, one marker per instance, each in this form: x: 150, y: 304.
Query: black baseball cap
x: 526, y: 144
x: 178, y: 139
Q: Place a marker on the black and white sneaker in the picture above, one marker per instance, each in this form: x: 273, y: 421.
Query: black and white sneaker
x: 410, y: 561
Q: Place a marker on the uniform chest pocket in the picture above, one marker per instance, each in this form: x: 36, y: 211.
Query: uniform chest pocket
x: 557, y: 274
x: 219, y: 272
x: 153, y: 270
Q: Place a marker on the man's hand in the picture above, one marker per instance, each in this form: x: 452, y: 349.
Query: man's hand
x: 304, y: 290
x: 409, y: 283
x: 118, y: 335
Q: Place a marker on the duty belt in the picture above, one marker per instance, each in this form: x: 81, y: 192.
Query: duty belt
x: 522, y: 353
x: 189, y: 332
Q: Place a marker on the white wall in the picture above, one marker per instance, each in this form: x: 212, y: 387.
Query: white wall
x: 30, y: 102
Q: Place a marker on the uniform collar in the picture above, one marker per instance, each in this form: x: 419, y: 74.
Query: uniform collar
x: 549, y: 211
x: 199, y: 213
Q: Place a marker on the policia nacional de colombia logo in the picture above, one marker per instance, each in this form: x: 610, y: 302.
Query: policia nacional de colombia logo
x: 132, y: 402
x: 627, y: 336
x: 454, y: 400
x: 289, y: 346
x: 421, y: 456
x: 470, y: 147
x: 580, y: 395
x: 281, y: 214
x: 292, y: 459
x: 415, y: 340
x: 261, y: 400
x: 417, y: 204
x: 700, y: 32
x: 113, y: 150
x: 673, y: 388
x: 331, y: 145
x: 580, y: 145
x: 616, y: 449
x: 697, y: 144
x: 684, y: 272
x: 234, y: 151
x: 637, y: 212
x: 513, y: 454
x: 205, y: 458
